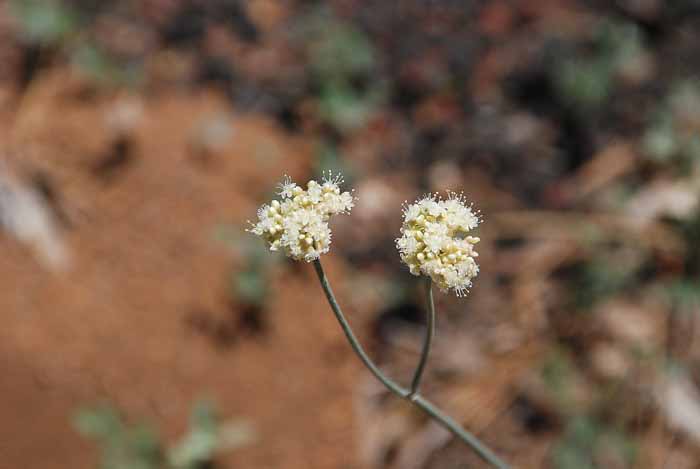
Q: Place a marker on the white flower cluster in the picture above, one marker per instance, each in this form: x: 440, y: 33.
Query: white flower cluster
x: 298, y: 223
x: 435, y: 242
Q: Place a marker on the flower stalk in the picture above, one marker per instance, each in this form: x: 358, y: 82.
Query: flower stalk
x: 429, y: 334
x: 412, y: 395
x: 435, y: 241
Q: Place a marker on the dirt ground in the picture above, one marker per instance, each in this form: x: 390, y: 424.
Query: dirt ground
x: 111, y: 325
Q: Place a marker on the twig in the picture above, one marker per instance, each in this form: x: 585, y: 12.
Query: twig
x: 429, y: 334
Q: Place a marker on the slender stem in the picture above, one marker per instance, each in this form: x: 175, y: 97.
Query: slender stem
x: 354, y: 343
x: 449, y: 424
x: 429, y: 334
x: 419, y: 401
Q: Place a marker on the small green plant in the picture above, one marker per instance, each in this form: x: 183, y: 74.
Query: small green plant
x: 684, y: 295
x: 249, y: 285
x: 585, y: 81
x: 126, y: 445
x: 59, y: 26
x: 590, y: 444
x: 342, y: 60
x: 673, y: 136
x: 559, y: 375
x: 44, y: 22
x: 598, y: 279
x: 102, y: 67
x: 249, y: 281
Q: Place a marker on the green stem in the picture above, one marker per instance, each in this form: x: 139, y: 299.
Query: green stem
x: 419, y: 401
x: 429, y: 334
x: 456, y: 429
x: 354, y: 343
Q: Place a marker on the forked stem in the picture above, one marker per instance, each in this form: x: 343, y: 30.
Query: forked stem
x: 411, y: 395
x: 429, y: 334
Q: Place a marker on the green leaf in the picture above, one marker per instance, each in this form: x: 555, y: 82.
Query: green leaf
x: 251, y: 286
x: 341, y: 50
x: 584, y: 84
x: 344, y: 108
x: 44, y: 21
x: 99, y: 422
x: 202, y: 441
x: 97, y: 63
x: 660, y: 141
x: 588, y: 443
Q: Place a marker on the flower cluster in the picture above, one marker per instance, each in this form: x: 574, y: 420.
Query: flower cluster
x: 298, y: 223
x: 435, y: 242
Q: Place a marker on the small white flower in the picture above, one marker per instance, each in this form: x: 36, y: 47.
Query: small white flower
x: 299, y: 223
x: 314, y: 192
x: 411, y: 212
x: 435, y: 242
x: 287, y: 188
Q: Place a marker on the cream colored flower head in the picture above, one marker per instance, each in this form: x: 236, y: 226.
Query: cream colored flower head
x: 435, y: 241
x: 298, y: 223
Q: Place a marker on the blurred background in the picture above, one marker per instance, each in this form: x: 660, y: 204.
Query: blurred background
x: 142, y: 328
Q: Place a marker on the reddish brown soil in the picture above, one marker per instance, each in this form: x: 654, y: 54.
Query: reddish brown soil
x: 116, y: 324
